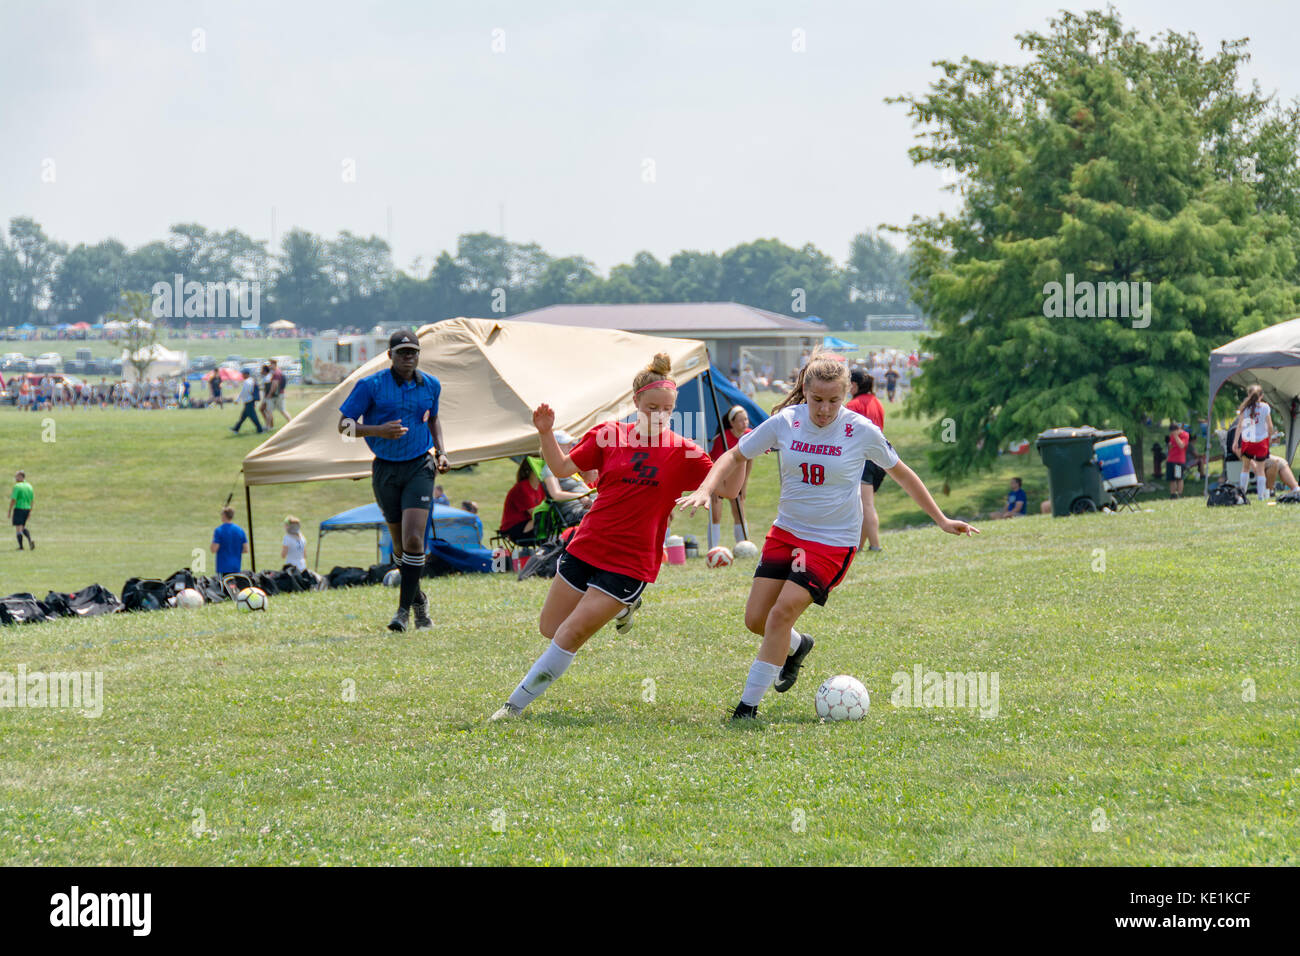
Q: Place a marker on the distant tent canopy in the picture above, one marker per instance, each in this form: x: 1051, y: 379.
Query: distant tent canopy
x: 690, y: 400
x: 839, y: 345
x: 455, y: 536
x: 1271, y: 359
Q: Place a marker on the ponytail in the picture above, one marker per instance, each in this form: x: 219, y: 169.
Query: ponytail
x: 1253, y: 396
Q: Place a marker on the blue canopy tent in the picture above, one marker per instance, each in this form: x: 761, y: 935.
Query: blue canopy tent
x: 839, y: 345
x: 695, y: 397
x: 458, y: 540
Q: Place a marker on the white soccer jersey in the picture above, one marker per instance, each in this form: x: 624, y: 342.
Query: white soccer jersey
x: 821, y: 470
x: 1254, y: 423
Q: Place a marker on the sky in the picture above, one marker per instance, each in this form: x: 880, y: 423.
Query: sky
x: 598, y: 130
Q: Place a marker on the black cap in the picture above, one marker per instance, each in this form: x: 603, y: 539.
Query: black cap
x: 403, y: 339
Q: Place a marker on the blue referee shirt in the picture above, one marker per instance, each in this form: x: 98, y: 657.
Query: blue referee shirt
x: 379, y: 398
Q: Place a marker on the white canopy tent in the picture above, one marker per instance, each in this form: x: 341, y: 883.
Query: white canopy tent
x: 1271, y: 359
x: 163, y: 362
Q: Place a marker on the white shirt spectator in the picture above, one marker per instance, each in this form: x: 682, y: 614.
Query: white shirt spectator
x: 297, y: 553
x: 246, y: 390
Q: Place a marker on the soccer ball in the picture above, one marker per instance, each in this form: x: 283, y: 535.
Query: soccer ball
x: 393, y: 578
x: 746, y: 549
x: 189, y: 597
x: 841, y: 698
x: 251, y: 599
x: 718, y: 557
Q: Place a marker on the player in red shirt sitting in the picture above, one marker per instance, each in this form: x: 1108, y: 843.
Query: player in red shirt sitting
x: 822, y: 449
x: 737, y: 426
x: 617, y: 549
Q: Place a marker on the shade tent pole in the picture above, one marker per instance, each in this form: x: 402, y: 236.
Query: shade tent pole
x: 248, y: 505
x: 717, y: 414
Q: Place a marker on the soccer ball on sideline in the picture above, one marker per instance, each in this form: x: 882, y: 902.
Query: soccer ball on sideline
x: 746, y: 549
x: 841, y: 698
x: 393, y: 578
x: 719, y: 557
x: 251, y: 599
x: 189, y: 597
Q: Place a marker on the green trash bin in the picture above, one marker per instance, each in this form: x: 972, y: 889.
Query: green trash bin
x: 1073, y: 475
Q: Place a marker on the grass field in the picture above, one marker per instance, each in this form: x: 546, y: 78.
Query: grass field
x: 1148, y: 707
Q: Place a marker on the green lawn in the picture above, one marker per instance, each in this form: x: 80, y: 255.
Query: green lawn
x: 1147, y: 668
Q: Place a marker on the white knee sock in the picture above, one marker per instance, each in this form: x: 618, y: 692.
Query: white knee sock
x: 1261, y: 487
x: 762, y: 675
x: 740, y: 531
x: 795, y: 640
x: 554, y: 661
x: 1244, y: 480
x: 715, y: 535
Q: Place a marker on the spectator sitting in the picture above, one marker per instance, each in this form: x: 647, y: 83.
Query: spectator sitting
x: 570, y: 494
x: 440, y: 496
x: 1017, y: 502
x: 523, y: 497
x: 470, y: 506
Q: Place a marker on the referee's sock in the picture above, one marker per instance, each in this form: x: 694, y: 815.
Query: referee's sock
x: 412, y: 566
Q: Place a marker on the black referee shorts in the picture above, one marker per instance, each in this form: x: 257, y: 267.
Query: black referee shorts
x: 399, y: 485
x: 873, y: 473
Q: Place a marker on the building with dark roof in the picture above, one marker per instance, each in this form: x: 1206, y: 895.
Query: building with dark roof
x: 727, y: 328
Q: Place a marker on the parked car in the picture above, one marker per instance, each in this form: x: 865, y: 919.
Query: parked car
x: 74, y: 365
x: 84, y: 355
x: 203, y: 363
x: 11, y: 360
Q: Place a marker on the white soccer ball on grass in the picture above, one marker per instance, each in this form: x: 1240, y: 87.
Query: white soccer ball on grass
x: 841, y: 698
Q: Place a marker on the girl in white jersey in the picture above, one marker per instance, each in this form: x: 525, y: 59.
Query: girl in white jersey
x: 1254, y: 435
x: 823, y: 446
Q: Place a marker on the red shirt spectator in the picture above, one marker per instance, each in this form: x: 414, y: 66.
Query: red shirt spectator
x: 728, y: 436
x: 520, y: 502
x: 1178, y: 447
x: 868, y: 406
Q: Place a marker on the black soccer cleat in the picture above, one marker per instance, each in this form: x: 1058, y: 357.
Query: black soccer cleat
x: 790, y: 670
x: 421, y: 608
x: 745, y: 711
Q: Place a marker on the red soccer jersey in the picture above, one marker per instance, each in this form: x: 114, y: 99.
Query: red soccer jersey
x: 717, y: 451
x: 640, y: 482
x: 869, y: 407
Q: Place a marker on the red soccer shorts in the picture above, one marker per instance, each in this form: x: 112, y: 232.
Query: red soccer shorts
x: 810, y: 564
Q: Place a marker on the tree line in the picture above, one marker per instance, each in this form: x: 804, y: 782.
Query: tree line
x: 350, y: 281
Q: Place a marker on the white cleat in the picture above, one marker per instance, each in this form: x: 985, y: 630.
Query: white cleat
x: 507, y: 711
x: 623, y: 619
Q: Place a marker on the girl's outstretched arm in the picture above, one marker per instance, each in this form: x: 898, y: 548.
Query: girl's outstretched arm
x: 915, y: 488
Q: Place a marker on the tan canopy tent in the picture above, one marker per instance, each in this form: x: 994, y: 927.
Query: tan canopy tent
x: 493, y: 374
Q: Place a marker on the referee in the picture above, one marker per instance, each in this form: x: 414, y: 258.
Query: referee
x: 396, y: 411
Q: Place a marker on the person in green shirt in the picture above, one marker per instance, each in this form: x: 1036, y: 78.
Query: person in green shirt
x: 20, y: 506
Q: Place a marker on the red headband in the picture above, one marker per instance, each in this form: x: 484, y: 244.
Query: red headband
x: 663, y: 383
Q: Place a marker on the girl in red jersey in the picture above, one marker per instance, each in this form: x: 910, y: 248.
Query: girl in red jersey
x: 737, y: 425
x: 822, y: 446
x: 644, y: 467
